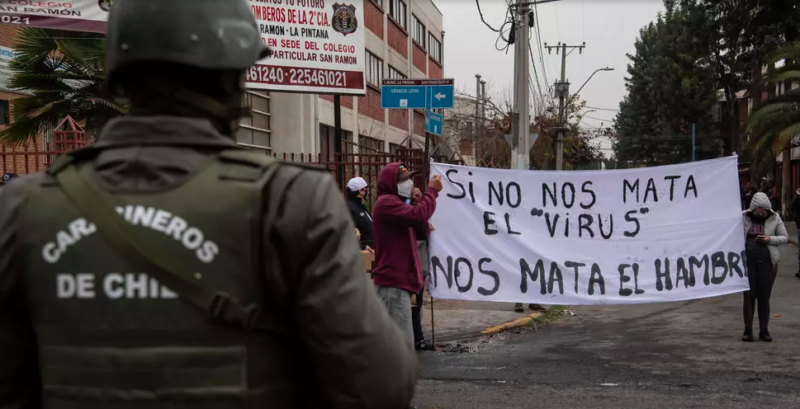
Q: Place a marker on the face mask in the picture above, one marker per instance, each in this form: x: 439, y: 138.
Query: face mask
x: 404, y: 189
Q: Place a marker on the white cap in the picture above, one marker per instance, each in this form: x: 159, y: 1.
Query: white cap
x: 356, y: 184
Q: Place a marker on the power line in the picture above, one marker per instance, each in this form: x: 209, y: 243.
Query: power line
x: 539, y: 43
x: 598, y: 119
x: 602, y: 109
x: 478, y: 3
x: 536, y: 75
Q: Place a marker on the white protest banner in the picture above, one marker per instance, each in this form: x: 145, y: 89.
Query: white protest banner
x: 75, y: 15
x: 319, y: 45
x: 634, y: 236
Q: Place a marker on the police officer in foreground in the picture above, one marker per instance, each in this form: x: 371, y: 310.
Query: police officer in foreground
x: 254, y: 294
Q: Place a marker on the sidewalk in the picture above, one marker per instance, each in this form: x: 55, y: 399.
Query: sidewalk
x: 456, y: 320
x: 791, y: 228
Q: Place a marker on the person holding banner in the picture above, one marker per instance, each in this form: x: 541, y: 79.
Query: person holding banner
x: 398, y: 225
x: 764, y: 232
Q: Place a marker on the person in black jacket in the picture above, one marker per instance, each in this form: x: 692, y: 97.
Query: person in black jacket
x: 356, y: 194
x: 794, y: 211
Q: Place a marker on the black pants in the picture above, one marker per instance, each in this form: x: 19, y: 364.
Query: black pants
x: 416, y: 318
x: 761, y: 274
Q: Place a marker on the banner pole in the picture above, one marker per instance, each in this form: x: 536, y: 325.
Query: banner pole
x: 433, y: 326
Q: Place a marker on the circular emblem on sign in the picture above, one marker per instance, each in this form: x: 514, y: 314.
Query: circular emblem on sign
x: 105, y: 5
x: 344, y: 18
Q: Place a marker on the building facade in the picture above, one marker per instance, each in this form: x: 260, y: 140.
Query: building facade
x: 404, y: 39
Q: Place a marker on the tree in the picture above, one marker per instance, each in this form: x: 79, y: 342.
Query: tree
x: 671, y: 88
x: 741, y: 34
x: 777, y: 122
x: 64, y: 73
x: 579, y: 150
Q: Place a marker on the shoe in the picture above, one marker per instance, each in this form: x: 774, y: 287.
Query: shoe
x: 518, y: 307
x: 537, y: 307
x: 747, y: 336
x: 797, y: 274
x: 424, y: 345
x: 764, y: 336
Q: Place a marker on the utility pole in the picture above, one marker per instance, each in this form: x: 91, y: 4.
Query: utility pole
x: 483, y: 111
x: 562, y: 91
x: 476, y: 127
x: 520, y: 152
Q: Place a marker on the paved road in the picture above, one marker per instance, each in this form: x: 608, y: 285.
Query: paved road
x: 678, y: 355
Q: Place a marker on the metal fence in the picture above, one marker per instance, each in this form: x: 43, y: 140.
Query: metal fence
x: 355, y: 160
x: 346, y: 166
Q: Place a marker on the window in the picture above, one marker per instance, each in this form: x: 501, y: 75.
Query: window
x: 393, y: 148
x: 435, y: 48
x: 374, y: 69
x: 327, y: 138
x: 418, y: 31
x: 255, y: 130
x: 370, y: 145
x: 397, y: 9
x: 395, y: 74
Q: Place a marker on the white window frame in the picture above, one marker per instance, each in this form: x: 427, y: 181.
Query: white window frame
x: 396, y: 74
x: 418, y: 31
x: 435, y: 48
x: 374, y: 69
x: 399, y: 12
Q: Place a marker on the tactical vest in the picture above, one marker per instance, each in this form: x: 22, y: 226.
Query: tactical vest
x: 112, y: 336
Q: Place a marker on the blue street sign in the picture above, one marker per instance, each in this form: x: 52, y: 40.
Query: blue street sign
x: 417, y: 93
x: 440, y: 96
x: 433, y: 123
x: 403, y: 97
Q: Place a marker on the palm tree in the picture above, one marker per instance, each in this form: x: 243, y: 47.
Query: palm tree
x: 63, y: 73
x: 777, y: 122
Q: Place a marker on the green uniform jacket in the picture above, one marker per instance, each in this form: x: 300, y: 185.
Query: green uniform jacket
x: 344, y: 350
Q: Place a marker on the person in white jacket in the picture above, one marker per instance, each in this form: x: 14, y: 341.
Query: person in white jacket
x: 764, y: 231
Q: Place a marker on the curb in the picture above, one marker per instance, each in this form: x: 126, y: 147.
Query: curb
x: 511, y: 324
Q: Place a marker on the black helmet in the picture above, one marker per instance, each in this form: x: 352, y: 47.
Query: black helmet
x: 205, y: 34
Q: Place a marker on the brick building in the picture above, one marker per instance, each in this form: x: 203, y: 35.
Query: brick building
x: 254, y: 132
x: 404, y: 39
x: 15, y: 159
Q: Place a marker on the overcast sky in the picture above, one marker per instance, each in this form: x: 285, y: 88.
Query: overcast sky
x: 609, y: 28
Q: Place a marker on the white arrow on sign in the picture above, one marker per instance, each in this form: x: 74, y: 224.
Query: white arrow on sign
x: 440, y: 96
x: 435, y: 129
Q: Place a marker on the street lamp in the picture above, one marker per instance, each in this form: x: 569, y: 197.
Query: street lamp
x: 562, y: 90
x: 587, y: 81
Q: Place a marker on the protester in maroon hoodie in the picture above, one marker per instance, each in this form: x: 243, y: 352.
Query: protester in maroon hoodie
x: 398, y: 225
